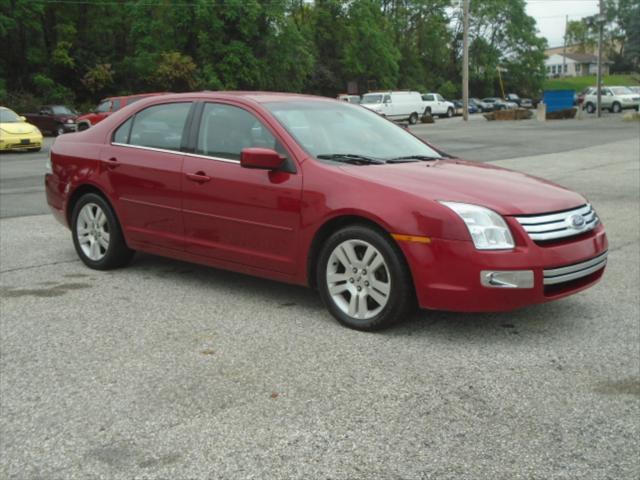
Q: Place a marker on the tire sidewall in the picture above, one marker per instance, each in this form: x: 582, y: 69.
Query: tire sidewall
x: 616, y: 107
x: 413, y: 118
x: 400, y: 297
x: 112, y: 257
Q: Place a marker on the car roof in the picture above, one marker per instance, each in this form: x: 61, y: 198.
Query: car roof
x: 253, y: 96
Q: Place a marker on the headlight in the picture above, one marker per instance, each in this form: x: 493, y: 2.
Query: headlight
x: 488, y: 230
x: 69, y: 120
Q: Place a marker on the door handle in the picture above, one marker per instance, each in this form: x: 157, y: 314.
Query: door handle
x: 113, y: 163
x: 198, y: 177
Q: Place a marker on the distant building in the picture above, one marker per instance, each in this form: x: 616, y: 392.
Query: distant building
x: 575, y: 65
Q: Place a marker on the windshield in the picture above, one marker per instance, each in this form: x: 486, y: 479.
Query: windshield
x: 371, y: 98
x: 62, y: 110
x: 326, y: 128
x: 104, y: 107
x: 8, y: 116
x: 621, y: 91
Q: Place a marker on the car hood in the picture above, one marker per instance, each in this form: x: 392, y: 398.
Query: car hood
x: 504, y: 191
x: 17, y: 127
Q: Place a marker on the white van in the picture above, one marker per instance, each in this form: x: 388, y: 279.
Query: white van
x: 395, y: 105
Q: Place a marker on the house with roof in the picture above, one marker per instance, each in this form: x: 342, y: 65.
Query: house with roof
x: 574, y: 64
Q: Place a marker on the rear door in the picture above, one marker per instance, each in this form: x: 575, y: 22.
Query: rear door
x: 239, y: 215
x: 144, y: 166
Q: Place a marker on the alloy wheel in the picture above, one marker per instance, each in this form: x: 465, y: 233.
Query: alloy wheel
x: 92, y: 231
x: 358, y: 279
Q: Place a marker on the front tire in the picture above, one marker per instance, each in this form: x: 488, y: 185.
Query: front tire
x: 449, y: 112
x: 590, y: 107
x: 616, y: 107
x: 97, y: 236
x: 59, y: 130
x: 413, y: 118
x: 363, y: 279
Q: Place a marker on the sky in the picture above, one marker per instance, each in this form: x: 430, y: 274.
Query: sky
x: 550, y: 16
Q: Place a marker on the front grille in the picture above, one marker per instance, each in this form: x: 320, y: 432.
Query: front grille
x: 557, y: 225
x: 554, y: 276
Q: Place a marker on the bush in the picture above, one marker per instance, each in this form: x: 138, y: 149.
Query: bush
x: 448, y: 90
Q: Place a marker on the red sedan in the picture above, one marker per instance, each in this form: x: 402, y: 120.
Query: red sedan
x: 318, y: 192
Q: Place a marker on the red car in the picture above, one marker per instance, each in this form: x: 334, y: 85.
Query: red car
x: 106, y: 107
x: 318, y: 192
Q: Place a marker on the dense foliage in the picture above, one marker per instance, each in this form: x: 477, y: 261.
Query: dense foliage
x: 78, y: 51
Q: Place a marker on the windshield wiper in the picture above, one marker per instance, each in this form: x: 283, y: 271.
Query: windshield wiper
x: 423, y: 158
x: 350, y: 158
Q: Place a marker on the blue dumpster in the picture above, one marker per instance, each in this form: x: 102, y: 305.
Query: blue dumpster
x: 558, y: 99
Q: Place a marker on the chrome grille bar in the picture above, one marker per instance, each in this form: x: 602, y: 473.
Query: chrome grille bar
x: 559, y: 225
x: 575, y: 271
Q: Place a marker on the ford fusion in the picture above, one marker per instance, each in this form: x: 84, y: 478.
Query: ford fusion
x: 318, y: 192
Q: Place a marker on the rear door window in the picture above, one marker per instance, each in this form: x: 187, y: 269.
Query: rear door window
x: 160, y: 126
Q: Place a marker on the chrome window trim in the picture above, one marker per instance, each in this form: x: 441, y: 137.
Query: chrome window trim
x: 573, y: 272
x: 176, y: 152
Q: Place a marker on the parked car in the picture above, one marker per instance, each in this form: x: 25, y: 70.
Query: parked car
x: 349, y: 98
x: 614, y: 99
x: 315, y: 191
x: 497, y: 103
x: 54, y: 119
x: 435, y: 104
x: 480, y: 105
x: 17, y: 134
x: 459, y: 106
x: 395, y: 105
x: 513, y: 98
x: 107, y: 106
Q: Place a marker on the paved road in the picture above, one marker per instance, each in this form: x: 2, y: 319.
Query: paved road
x: 22, y: 182
x: 167, y: 370
x: 22, y: 190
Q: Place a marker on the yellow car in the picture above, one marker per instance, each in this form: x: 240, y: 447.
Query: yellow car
x: 17, y: 134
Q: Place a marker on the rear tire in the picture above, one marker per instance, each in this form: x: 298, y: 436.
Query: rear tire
x: 97, y: 236
x: 590, y: 107
x: 363, y: 279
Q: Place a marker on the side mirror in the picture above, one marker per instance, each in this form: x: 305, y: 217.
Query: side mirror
x: 260, y: 158
x: 22, y: 118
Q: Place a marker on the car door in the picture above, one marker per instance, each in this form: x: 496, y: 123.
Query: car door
x: 46, y: 119
x: 389, y: 107
x: 240, y: 215
x: 144, y: 167
x: 607, y: 98
x: 442, y: 107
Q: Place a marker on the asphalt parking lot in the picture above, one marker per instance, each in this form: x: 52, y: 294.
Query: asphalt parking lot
x: 167, y: 370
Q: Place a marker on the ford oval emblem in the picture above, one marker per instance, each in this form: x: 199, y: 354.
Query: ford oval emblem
x: 576, y: 221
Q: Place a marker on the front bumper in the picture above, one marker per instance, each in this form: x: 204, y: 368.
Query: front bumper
x: 70, y: 127
x: 26, y: 141
x: 448, y: 273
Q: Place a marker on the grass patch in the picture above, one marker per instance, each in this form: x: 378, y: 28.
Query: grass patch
x: 580, y: 83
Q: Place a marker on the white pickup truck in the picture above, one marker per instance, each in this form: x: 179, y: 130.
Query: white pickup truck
x: 436, y: 105
x: 395, y: 105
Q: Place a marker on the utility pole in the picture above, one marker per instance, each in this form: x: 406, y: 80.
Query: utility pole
x: 465, y: 61
x: 564, y: 48
x: 601, y: 19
